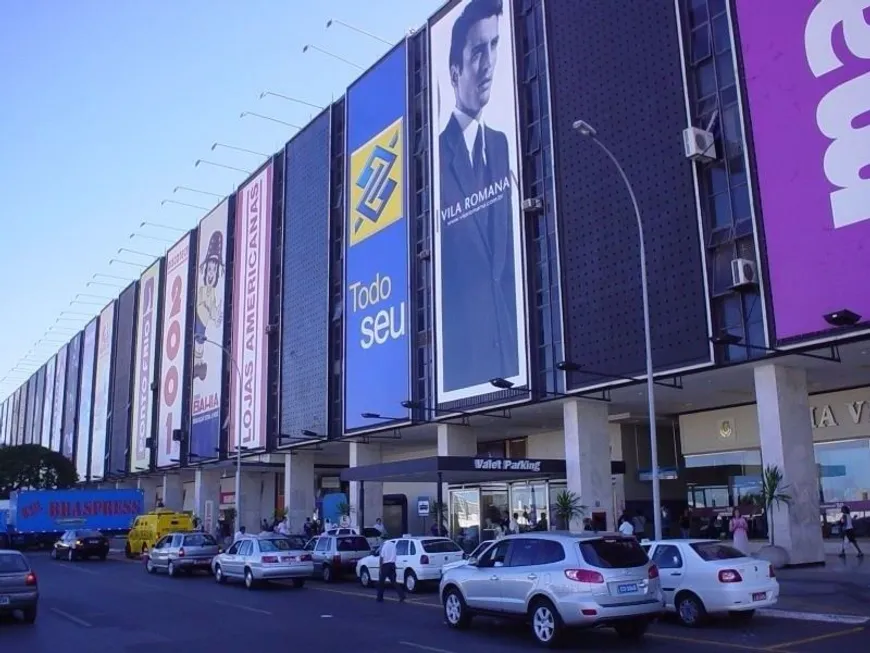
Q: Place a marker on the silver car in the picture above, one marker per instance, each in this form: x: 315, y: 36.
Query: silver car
x: 557, y: 581
x: 18, y: 587
x: 263, y: 558
x: 335, y: 556
x: 182, y: 552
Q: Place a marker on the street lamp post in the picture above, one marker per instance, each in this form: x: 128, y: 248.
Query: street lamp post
x: 587, y: 130
x: 237, y: 423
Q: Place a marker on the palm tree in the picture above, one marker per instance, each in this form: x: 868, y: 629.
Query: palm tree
x: 773, y: 493
x: 567, y: 508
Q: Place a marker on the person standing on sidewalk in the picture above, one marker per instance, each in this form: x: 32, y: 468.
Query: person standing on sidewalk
x: 848, y: 532
x: 388, y: 570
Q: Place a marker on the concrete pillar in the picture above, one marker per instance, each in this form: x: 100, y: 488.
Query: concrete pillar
x: 299, y: 497
x: 206, y: 496
x: 373, y: 503
x: 258, y: 500
x: 173, y: 492
x: 587, y: 457
x: 786, y: 435
x: 456, y: 440
x: 151, y: 487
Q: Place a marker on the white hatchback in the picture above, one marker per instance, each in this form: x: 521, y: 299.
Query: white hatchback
x: 418, y: 560
x: 702, y: 577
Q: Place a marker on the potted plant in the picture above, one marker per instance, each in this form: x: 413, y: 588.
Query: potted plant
x: 280, y: 514
x: 566, y: 509
x: 773, y: 495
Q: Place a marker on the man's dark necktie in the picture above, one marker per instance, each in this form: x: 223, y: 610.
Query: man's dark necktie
x: 477, y: 158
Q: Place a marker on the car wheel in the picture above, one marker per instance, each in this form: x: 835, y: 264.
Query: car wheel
x: 70, y: 555
x: 546, y: 623
x: 741, y: 616
x: 411, y: 581
x: 219, y: 575
x: 690, y: 610
x: 365, y: 578
x: 29, y: 614
x: 326, y: 574
x: 250, y: 583
x: 298, y: 582
x: 103, y: 556
x: 171, y: 570
x: 128, y: 552
x: 53, y: 554
x: 634, y: 629
x: 455, y: 611
x: 149, y: 566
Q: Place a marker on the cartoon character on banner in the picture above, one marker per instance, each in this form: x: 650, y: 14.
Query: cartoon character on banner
x: 209, y: 307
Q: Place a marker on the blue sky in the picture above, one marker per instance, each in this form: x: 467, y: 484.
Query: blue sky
x: 108, y: 104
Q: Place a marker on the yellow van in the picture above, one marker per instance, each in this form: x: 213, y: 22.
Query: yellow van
x: 151, y: 526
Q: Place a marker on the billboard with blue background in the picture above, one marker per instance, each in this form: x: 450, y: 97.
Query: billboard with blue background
x: 376, y: 301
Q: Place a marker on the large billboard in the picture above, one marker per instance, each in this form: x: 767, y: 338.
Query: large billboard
x: 57, y: 418
x: 208, y: 334
x: 48, y: 403
x: 480, y: 298
x: 145, y: 368
x: 376, y: 308
x: 102, y: 389
x: 38, y: 406
x: 71, y: 400
x: 173, y: 365
x: 251, y: 282
x: 86, y: 402
x: 122, y: 381
x: 806, y: 98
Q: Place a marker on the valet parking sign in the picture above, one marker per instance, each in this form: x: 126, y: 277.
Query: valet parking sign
x: 377, y: 345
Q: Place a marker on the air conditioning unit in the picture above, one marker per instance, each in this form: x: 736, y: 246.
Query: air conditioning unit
x: 699, y: 144
x: 743, y: 273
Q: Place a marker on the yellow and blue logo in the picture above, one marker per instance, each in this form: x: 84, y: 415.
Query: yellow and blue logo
x: 377, y: 184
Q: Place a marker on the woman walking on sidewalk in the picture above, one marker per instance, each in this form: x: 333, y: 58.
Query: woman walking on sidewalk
x: 739, y: 532
x: 848, y: 532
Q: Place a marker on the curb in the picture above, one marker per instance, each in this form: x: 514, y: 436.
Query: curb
x: 846, y: 619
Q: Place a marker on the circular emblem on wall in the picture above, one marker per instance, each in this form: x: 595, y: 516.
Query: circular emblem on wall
x: 726, y: 429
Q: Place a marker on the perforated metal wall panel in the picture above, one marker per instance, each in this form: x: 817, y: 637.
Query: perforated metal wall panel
x: 617, y: 65
x: 305, y: 294
x: 122, y: 381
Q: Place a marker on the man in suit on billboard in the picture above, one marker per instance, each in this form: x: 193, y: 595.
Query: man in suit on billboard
x: 478, y: 276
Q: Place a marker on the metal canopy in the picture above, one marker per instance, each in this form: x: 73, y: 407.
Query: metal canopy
x: 457, y: 470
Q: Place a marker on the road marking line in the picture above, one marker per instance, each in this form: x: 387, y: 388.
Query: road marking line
x: 709, y: 642
x: 817, y: 638
x: 243, y: 607
x: 71, y: 617
x: 847, y: 619
x: 373, y: 596
x: 425, y: 648
x: 81, y: 570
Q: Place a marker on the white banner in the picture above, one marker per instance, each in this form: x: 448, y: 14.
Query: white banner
x: 48, y: 403
x: 144, y: 374
x: 102, y: 380
x: 251, y: 277
x: 86, y: 401
x: 172, y: 366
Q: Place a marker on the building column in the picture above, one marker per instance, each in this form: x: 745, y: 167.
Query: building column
x: 151, y: 487
x: 173, y: 492
x: 206, y: 496
x: 366, y: 499
x: 257, y: 500
x: 299, y: 497
x: 786, y: 435
x: 587, y: 457
x: 454, y: 440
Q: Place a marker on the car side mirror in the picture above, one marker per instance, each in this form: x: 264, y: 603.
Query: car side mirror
x: 498, y: 563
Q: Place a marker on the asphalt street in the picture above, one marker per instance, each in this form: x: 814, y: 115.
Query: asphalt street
x: 115, y: 607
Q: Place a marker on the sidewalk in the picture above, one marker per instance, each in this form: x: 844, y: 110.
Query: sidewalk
x: 832, y: 547
x: 839, y: 589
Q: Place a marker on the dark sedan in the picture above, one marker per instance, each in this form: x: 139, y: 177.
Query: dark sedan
x: 81, y: 544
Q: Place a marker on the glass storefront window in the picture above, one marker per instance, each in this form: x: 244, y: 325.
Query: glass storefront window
x: 494, y: 508
x: 465, y: 518
x: 844, y: 471
x: 530, y: 503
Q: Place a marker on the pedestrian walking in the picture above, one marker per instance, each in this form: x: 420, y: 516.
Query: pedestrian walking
x: 848, y: 532
x: 739, y: 532
x: 388, y: 570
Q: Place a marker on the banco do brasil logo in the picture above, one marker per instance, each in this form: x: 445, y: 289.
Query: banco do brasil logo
x: 376, y: 193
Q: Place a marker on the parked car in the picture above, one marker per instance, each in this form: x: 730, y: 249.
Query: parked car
x: 19, y: 590
x: 177, y: 552
x: 336, y: 555
x: 81, y: 544
x: 703, y: 577
x: 264, y: 558
x: 419, y: 560
x: 557, y: 581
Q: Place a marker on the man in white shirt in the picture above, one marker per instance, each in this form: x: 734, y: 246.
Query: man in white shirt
x: 625, y: 527
x: 239, y: 534
x: 388, y: 570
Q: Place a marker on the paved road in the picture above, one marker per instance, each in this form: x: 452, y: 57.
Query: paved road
x: 114, y: 607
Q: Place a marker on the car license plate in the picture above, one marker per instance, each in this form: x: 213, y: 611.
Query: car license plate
x: 203, y: 562
x: 626, y: 588
x: 759, y: 596
x: 4, y: 600
x: 93, y: 541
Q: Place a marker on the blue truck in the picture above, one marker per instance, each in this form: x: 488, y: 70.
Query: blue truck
x: 37, y: 518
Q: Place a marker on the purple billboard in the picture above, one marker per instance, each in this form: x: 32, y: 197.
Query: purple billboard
x: 807, y: 73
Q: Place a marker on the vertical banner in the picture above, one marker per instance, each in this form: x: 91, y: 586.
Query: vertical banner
x: 120, y: 409
x: 173, y: 368
x: 27, y: 404
x: 71, y: 401
x: 208, y: 334
x: 102, y: 387
x: 144, y: 374
x: 39, y: 407
x: 58, y: 400
x: 480, y: 298
x: 376, y: 320
x: 808, y: 102
x: 86, y: 402
x: 48, y: 403
x: 3, y: 423
x: 251, y: 277
x: 13, y: 435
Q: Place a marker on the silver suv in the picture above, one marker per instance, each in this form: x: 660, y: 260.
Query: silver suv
x: 557, y: 581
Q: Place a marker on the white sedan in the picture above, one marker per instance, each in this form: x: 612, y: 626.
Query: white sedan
x: 702, y: 577
x: 418, y: 560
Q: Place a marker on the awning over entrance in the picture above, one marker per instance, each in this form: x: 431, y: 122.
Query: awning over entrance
x: 457, y: 469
